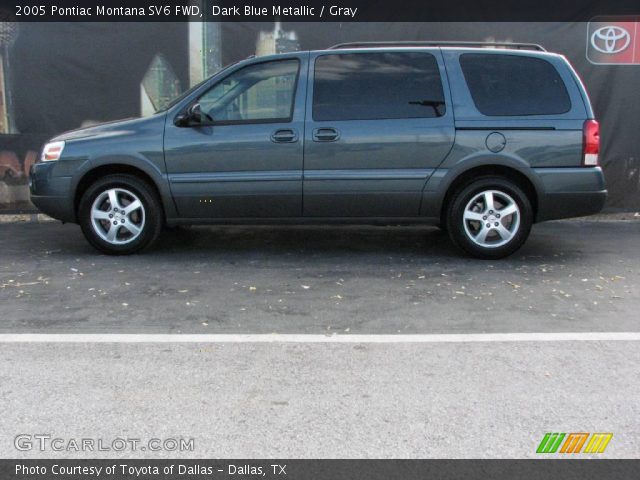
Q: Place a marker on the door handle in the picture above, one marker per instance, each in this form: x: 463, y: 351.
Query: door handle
x: 325, y: 134
x: 286, y: 135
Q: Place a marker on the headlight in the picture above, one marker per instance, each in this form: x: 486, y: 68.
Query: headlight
x: 52, y: 151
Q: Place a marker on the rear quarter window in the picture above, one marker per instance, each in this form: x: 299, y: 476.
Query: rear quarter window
x: 512, y: 85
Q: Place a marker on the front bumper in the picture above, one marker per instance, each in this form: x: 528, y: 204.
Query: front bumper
x: 51, y: 193
x: 570, y: 192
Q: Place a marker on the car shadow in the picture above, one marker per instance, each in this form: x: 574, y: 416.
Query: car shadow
x: 298, y: 244
x: 346, y: 242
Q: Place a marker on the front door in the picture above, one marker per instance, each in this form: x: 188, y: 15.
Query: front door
x: 378, y: 125
x: 245, y: 159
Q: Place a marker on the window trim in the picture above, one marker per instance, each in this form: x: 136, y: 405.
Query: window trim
x: 439, y: 70
x: 475, y: 104
x: 288, y: 119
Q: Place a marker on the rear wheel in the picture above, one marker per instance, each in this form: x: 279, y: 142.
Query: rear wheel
x: 120, y: 214
x: 489, y: 217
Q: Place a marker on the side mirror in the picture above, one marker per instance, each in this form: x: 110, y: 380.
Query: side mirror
x: 194, y: 116
x: 181, y: 120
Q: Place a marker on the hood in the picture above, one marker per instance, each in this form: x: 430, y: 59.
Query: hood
x: 107, y: 129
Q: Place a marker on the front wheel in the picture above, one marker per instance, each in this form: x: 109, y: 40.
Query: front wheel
x: 120, y: 214
x: 490, y: 217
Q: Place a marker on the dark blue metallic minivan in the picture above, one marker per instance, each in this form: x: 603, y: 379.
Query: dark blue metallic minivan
x: 482, y: 140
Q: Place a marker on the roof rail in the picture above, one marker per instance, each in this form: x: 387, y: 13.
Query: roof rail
x: 516, y: 46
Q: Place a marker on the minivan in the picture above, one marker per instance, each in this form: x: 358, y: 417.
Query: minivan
x: 480, y: 139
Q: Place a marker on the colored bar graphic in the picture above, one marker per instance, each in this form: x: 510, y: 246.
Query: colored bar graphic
x: 598, y: 442
x: 550, y: 443
x: 574, y: 442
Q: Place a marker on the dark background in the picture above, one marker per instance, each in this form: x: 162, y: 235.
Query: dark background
x: 63, y: 74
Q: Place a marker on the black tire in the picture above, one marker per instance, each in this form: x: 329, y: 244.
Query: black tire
x: 151, y: 215
x: 460, y: 230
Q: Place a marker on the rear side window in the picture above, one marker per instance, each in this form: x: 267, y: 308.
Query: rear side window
x: 370, y: 86
x: 511, y: 85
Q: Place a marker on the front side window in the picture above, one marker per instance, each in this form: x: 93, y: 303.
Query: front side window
x: 262, y: 92
x: 372, y: 86
x: 512, y: 85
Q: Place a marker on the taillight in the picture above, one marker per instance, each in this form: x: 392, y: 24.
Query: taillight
x: 591, y: 143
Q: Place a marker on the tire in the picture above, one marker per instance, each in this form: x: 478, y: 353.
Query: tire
x: 509, y: 221
x: 138, y: 224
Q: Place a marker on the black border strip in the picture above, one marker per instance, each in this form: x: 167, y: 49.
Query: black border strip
x: 333, y: 469
x: 321, y: 10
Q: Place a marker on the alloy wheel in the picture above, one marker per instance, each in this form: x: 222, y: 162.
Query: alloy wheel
x: 117, y: 216
x: 491, y: 218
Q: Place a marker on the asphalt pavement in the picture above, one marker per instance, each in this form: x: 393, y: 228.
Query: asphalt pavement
x: 481, y: 400
x: 570, y: 276
x: 481, y: 395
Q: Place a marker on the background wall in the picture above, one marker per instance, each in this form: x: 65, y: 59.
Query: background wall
x: 60, y: 76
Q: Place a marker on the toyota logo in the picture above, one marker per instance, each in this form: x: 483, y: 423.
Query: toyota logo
x: 610, y: 39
